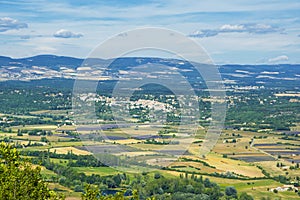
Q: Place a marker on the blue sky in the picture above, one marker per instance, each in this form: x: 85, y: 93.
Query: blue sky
x: 231, y: 31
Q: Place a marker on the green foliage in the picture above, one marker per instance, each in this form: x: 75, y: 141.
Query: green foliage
x: 157, y: 175
x: 245, y: 196
x: 230, y: 191
x: 19, y: 179
x: 277, y: 114
x: 93, y: 193
x: 176, y: 188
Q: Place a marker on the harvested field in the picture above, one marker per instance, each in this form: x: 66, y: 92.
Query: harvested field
x: 164, y: 162
x: 65, y: 150
x: 236, y: 166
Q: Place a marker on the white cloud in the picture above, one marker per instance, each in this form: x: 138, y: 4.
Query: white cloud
x: 7, y: 23
x: 279, y: 59
x: 62, y: 33
x: 237, y: 28
x: 204, y: 33
x: 232, y: 28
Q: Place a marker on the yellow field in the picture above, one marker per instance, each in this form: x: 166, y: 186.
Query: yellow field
x: 142, y: 130
x: 62, y: 143
x: 163, y: 162
x: 236, y: 166
x: 65, y: 150
x: 67, y: 128
x: 271, y: 167
x: 234, y: 148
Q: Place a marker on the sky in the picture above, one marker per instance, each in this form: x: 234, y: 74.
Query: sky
x: 231, y: 31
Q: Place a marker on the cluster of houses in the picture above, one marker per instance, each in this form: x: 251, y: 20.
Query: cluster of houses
x: 285, y: 188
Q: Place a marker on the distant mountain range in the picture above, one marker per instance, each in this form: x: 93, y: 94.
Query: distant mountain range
x: 52, y: 66
x: 51, y: 61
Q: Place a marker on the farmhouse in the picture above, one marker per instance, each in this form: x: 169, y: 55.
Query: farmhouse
x: 285, y: 188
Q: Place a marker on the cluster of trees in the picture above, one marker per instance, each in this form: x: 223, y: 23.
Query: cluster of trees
x: 230, y: 141
x: 69, y: 177
x: 228, y: 175
x: 74, y: 160
x: 34, y: 132
x: 22, y: 98
x: 21, y: 180
x: 103, y: 111
x: 17, y: 121
x: 93, y: 193
x: 153, y: 141
x: 186, y: 187
x: 29, y: 144
x: 274, y: 113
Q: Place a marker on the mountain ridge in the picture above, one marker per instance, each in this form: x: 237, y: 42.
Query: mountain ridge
x: 62, y: 58
x: 53, y: 67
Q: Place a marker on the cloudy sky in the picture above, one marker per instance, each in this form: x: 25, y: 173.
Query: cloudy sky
x: 231, y: 31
